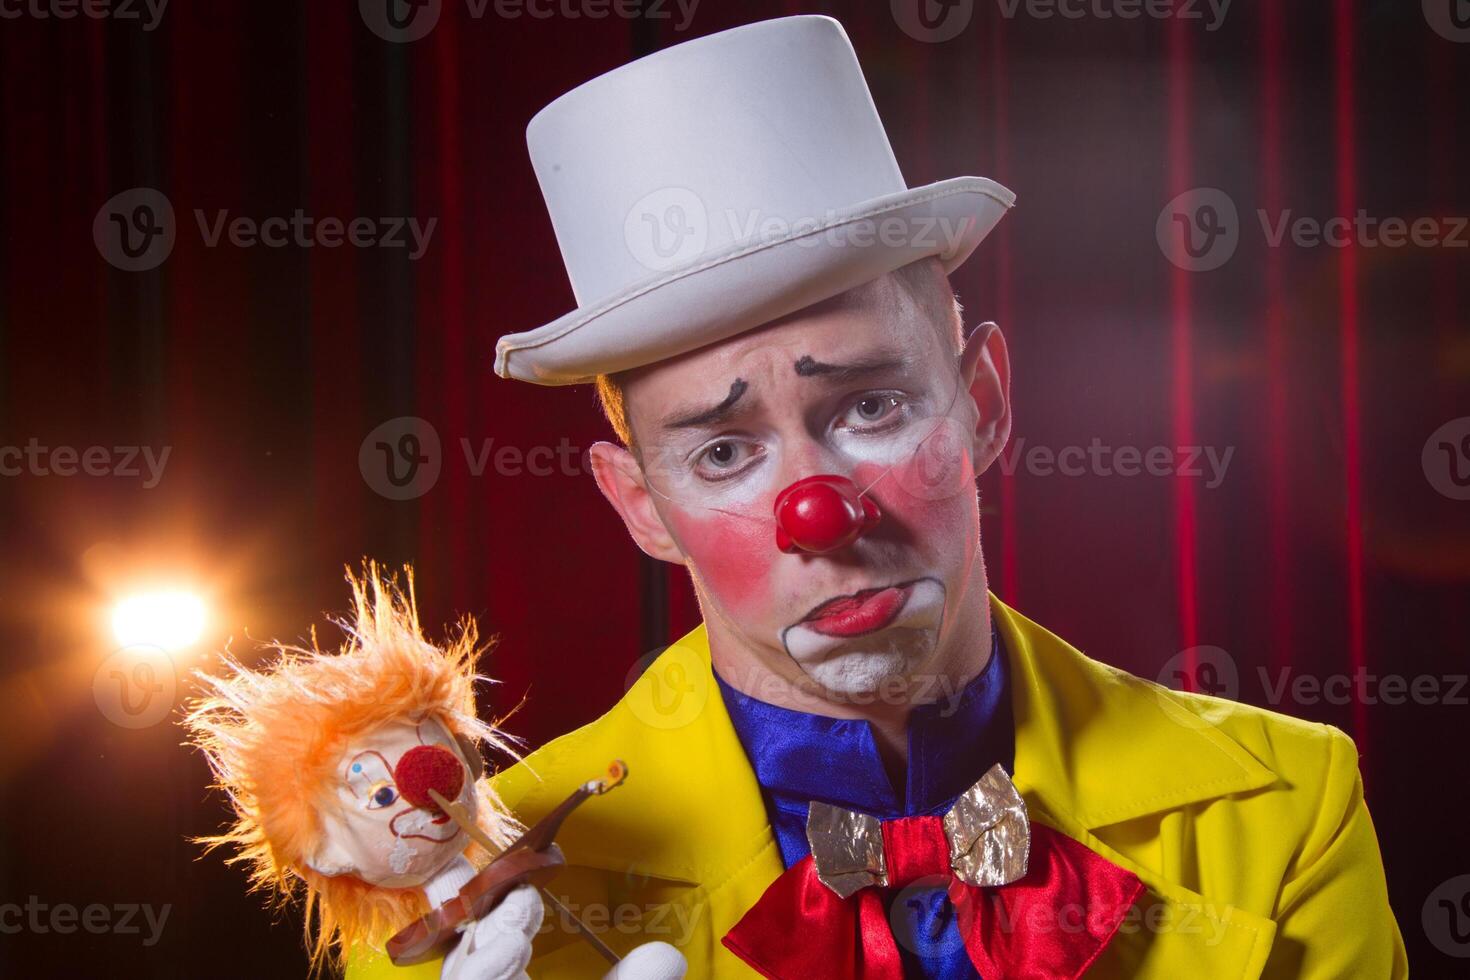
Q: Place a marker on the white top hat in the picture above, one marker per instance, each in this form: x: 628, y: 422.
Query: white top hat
x: 719, y: 184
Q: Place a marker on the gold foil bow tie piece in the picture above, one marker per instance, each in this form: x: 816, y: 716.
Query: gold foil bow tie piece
x: 987, y: 829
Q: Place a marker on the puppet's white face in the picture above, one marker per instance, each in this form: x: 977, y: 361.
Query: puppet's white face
x: 384, y: 828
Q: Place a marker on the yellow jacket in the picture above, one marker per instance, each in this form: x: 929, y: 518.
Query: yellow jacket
x: 1247, y: 827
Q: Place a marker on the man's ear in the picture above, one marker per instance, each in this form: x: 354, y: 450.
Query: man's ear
x: 985, y: 369
x: 622, y: 482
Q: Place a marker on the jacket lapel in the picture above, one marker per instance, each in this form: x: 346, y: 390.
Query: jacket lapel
x: 689, y: 823
x: 1096, y: 747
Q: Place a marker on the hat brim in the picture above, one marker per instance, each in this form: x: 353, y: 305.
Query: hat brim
x: 718, y: 296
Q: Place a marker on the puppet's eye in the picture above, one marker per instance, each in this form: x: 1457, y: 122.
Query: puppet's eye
x: 384, y: 795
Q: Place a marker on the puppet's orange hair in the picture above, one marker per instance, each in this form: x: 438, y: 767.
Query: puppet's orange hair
x: 273, y: 738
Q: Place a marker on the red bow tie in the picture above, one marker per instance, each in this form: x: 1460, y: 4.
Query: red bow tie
x: 1030, y: 901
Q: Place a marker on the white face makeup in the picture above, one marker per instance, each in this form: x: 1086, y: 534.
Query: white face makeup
x: 869, y: 390
x: 839, y: 653
x: 377, y: 834
x: 884, y: 409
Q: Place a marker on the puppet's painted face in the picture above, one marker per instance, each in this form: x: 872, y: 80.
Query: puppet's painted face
x: 384, y: 827
x: 868, y: 389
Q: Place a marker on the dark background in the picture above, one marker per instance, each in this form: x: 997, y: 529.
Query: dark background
x: 1325, y: 550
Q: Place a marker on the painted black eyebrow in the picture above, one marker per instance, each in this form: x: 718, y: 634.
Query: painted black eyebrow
x: 809, y: 367
x: 708, y: 416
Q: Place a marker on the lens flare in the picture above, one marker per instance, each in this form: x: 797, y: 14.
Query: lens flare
x: 171, y: 620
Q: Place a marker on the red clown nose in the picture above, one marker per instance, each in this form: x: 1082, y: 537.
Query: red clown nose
x: 426, y: 767
x: 821, y: 514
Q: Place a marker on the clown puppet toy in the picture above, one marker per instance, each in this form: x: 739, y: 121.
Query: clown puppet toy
x: 354, y: 779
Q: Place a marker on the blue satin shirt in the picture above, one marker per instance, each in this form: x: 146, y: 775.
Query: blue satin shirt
x: 952, y: 742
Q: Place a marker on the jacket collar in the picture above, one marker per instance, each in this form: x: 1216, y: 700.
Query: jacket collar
x: 1094, y: 746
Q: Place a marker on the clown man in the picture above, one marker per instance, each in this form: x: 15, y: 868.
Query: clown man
x: 861, y: 763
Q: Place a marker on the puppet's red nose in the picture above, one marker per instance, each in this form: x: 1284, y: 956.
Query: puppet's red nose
x: 822, y: 513
x: 426, y: 767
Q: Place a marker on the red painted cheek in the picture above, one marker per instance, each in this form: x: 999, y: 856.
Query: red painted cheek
x: 865, y: 474
x: 925, y: 488
x: 733, y: 555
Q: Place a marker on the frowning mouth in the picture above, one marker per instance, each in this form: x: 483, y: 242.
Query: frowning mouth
x: 861, y: 612
x: 410, y: 832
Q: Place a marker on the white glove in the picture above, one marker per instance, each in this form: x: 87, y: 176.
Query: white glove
x: 498, y: 947
x: 651, y: 961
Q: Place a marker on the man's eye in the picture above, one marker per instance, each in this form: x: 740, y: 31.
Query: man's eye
x: 723, y: 454
x: 384, y: 795
x: 722, y: 458
x: 871, y: 412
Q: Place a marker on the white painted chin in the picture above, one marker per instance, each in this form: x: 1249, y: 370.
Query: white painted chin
x: 858, y: 665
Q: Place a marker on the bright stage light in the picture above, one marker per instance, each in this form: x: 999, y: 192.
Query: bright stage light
x: 171, y: 620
